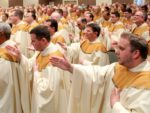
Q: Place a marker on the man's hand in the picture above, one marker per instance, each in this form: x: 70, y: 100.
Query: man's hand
x: 13, y: 50
x: 62, y: 45
x: 31, y: 48
x: 115, y: 96
x: 61, y: 63
x: 71, y: 37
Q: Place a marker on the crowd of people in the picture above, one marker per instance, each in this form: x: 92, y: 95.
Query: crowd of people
x: 75, y: 59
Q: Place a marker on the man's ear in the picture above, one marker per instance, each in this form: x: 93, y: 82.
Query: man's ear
x: 43, y: 40
x: 96, y: 33
x: 2, y: 39
x: 136, y: 54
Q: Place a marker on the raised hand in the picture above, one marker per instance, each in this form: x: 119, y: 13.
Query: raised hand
x: 63, y: 46
x: 13, y: 50
x: 61, y: 63
x: 31, y: 48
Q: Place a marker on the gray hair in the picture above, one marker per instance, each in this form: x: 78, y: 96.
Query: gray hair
x: 5, y: 29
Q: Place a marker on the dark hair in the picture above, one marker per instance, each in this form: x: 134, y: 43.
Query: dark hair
x: 145, y: 16
x: 41, y: 31
x: 137, y: 43
x: 60, y: 11
x: 124, y: 7
x: 6, y: 15
x: 33, y: 14
x: 83, y: 20
x: 107, y: 9
x: 144, y: 8
x: 54, y: 24
x: 128, y: 10
x: 91, y: 15
x: 116, y: 13
x: 107, y: 13
x: 95, y: 27
x: 18, y: 13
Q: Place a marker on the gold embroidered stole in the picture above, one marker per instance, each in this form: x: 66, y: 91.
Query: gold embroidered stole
x: 113, y: 28
x: 106, y: 23
x: 56, y: 39
x: 43, y: 61
x: 96, y: 17
x: 42, y: 18
x: 74, y: 16
x: 34, y: 24
x: 18, y: 27
x: 4, y: 54
x: 14, y: 29
x: 126, y: 21
x: 88, y: 47
x: 140, y: 30
x: 64, y: 20
x: 124, y: 78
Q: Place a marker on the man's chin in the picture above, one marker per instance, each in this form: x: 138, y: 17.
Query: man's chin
x: 120, y: 62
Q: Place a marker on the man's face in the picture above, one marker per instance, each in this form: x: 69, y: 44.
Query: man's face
x: 127, y: 14
x: 28, y: 18
x: 138, y: 17
x: 88, y: 18
x: 79, y: 24
x: 123, y: 52
x: 13, y: 18
x: 89, y: 34
x: 113, y: 18
x: 148, y: 20
x: 4, y: 18
x: 37, y: 44
x: 51, y: 29
x: 105, y: 16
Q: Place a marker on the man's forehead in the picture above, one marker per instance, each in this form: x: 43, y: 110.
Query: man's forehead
x: 123, y: 41
x: 139, y: 13
x: 88, y: 27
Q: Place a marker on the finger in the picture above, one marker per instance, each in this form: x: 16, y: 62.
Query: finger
x: 16, y: 45
x: 113, y: 92
x: 119, y: 90
x: 64, y: 57
x: 31, y: 48
x: 55, y: 58
x: 9, y: 48
x: 61, y: 44
x: 52, y: 60
x: 116, y: 90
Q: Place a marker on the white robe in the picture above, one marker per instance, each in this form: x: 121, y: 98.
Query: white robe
x: 14, y: 87
x: 50, y: 88
x: 91, y: 89
x: 75, y: 54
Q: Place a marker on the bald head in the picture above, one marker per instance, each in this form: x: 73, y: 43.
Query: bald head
x: 56, y: 16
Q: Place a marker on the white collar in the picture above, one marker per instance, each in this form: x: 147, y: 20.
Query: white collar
x: 49, y: 49
x: 144, y: 66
